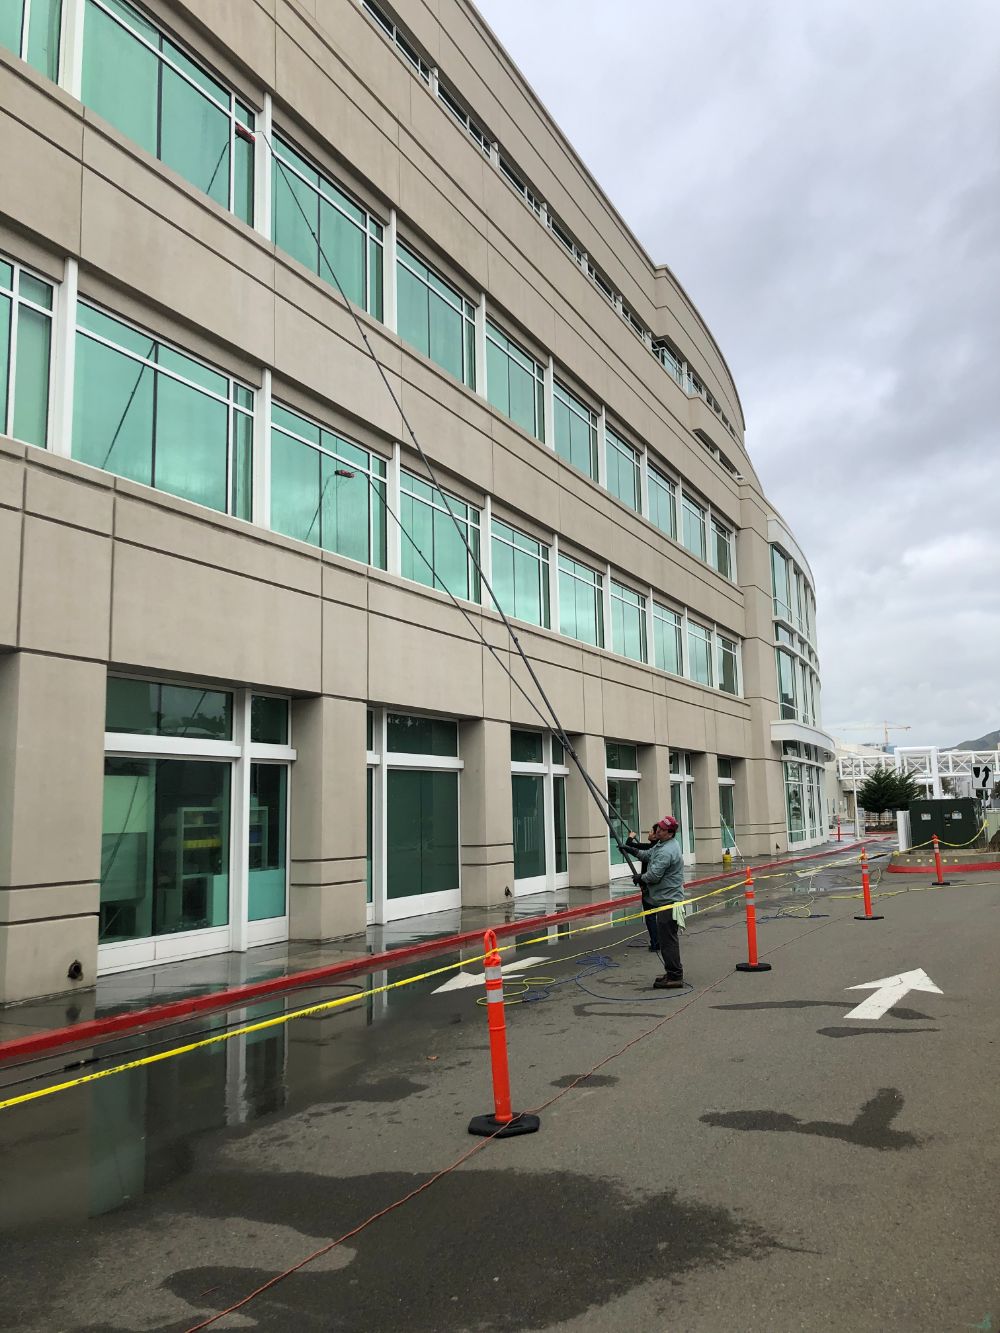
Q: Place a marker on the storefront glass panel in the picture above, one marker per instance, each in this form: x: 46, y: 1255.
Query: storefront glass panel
x: 268, y: 825
x: 528, y: 794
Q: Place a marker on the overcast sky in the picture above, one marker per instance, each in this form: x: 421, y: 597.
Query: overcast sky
x: 823, y: 176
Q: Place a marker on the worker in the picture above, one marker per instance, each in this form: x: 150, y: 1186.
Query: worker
x: 631, y: 847
x: 662, y: 883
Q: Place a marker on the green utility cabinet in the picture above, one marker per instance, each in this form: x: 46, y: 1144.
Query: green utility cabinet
x: 955, y: 819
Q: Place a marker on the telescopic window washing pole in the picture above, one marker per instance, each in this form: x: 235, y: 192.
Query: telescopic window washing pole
x: 607, y: 810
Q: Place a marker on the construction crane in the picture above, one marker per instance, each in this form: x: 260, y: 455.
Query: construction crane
x: 886, y: 728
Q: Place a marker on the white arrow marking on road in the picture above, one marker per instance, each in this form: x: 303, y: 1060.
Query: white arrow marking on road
x: 462, y: 979
x: 889, y: 991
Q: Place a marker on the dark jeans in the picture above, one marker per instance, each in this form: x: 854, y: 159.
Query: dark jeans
x: 654, y: 941
x: 670, y: 947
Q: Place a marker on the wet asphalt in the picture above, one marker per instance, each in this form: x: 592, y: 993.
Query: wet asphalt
x: 749, y: 1158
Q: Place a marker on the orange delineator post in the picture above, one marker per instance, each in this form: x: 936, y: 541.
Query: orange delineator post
x: 937, y: 862
x: 503, y: 1123
x: 866, y: 886
x: 752, y: 964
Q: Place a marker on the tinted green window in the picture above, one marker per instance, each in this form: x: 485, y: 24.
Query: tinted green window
x: 317, y: 223
x: 141, y: 82
x: 25, y: 353
x: 787, y: 692
x: 37, y: 42
x: 432, y: 549
x: 147, y: 708
x: 526, y: 747
x: 369, y: 804
x: 164, y: 847
x: 628, y: 622
x: 621, y: 756
x: 623, y: 470
x: 722, y: 549
x: 421, y: 735
x: 728, y: 672
x: 779, y: 583
x: 581, y: 602
x: 514, y: 382
x: 422, y: 832
x: 520, y: 575
x: 667, y: 649
x: 623, y: 797
x: 699, y: 654
x: 267, y: 833
x: 694, y: 527
x: 727, y: 816
x: 434, y: 318
x: 369, y: 730
x: 558, y: 753
x: 725, y: 767
x: 662, y: 503
x: 528, y: 801
x: 325, y: 490
x: 575, y: 431
x: 134, y: 415
x: 268, y: 720
x: 559, y: 800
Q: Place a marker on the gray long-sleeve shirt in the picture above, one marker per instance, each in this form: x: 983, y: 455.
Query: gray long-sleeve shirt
x: 662, y: 878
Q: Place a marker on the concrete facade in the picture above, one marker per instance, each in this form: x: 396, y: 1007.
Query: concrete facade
x: 103, y: 574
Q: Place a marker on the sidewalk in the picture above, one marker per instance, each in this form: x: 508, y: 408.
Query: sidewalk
x: 206, y: 982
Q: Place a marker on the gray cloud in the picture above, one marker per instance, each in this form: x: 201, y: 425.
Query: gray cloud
x: 824, y: 179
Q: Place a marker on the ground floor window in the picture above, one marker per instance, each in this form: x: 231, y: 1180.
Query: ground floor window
x: 804, y: 793
x: 538, y: 802
x: 727, y: 804
x: 623, y: 798
x: 414, y: 848
x: 682, y: 800
x: 194, y: 849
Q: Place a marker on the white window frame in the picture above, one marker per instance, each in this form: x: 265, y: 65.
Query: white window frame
x: 548, y: 770
x: 684, y: 778
x: 239, y: 933
x: 383, y: 909
x: 17, y: 301
x: 622, y: 775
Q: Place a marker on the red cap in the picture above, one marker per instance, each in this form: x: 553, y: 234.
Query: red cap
x: 667, y: 825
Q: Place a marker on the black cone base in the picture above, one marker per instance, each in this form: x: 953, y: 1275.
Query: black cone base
x: 939, y: 883
x: 753, y: 967
x: 874, y: 917
x: 488, y: 1126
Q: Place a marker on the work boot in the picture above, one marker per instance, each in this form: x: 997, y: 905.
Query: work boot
x: 667, y: 983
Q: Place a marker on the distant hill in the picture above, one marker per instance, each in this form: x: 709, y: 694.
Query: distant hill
x: 991, y: 741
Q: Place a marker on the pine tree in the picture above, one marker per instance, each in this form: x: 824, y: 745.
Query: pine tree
x: 878, y: 792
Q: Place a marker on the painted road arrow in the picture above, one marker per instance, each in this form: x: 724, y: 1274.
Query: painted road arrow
x: 462, y: 979
x: 889, y: 991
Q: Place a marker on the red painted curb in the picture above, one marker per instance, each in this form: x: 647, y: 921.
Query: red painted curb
x: 959, y: 866
x: 84, y: 1034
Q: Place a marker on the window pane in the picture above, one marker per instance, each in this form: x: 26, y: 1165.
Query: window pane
x: 412, y: 299
x: 694, y: 528
x: 31, y: 392
x: 422, y: 833
x: 369, y: 805
x: 194, y: 713
x: 194, y: 136
x: 119, y: 78
x: 295, y: 227
x: 662, y: 511
x: 191, y: 444
x: 728, y: 680
x: 528, y: 799
x: 421, y: 735
x: 619, y: 755
x: 11, y: 15
x: 667, y: 641
x: 526, y: 747
x: 43, y: 35
x: 242, y: 497
x: 623, y: 796
x: 699, y: 655
x: 165, y: 847
x: 727, y: 817
x: 243, y: 173
x: 6, y: 305
x: 268, y: 720
x: 344, y: 517
x: 113, y: 411
x: 559, y: 797
x: 295, y: 488
x: 268, y: 824
x: 445, y: 336
x: 343, y: 245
